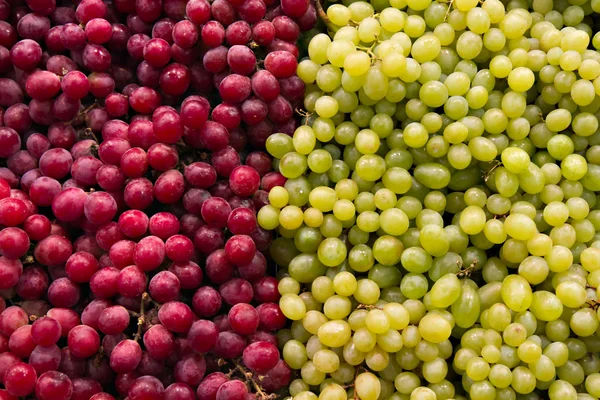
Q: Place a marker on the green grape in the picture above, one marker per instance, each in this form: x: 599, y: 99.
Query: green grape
x: 516, y: 293
x: 445, y: 291
x: 367, y: 386
x: 466, y: 308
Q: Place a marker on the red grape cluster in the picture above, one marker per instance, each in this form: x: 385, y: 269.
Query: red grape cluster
x: 131, y: 261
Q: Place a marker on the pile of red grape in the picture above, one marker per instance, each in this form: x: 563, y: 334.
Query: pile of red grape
x: 131, y: 262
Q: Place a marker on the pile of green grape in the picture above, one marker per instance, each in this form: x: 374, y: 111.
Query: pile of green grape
x: 439, y: 230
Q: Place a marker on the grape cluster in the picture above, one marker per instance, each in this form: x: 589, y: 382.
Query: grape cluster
x: 439, y: 225
x: 132, y: 137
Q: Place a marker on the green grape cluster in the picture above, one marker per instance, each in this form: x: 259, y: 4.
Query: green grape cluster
x: 439, y: 230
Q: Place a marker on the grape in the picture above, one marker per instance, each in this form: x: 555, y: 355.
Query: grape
x: 438, y: 189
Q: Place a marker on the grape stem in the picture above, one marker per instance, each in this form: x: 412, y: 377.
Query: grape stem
x: 466, y: 272
x: 88, y: 133
x: 369, y: 51
x: 99, y: 356
x: 82, y: 112
x: 487, y: 175
x: 450, y: 3
x: 368, y: 307
x: 250, y: 379
x: 305, y: 114
x: 323, y: 15
x: 141, y: 318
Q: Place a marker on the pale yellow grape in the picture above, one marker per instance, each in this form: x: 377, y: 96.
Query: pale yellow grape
x: 313, y: 320
x: 313, y: 217
x: 337, y: 307
x: 445, y: 33
x: 304, y: 140
x: 414, y: 26
x: 415, y: 135
x: 423, y: 393
x: 367, y: 141
x: 397, y: 315
x: 333, y: 392
x: 361, y: 10
x: 292, y: 306
x: 326, y: 361
x: 418, y: 5
x: 387, y: 47
x: 455, y: 133
x: 344, y: 210
x: 390, y: 341
x: 465, y: 5
x: 477, y: 369
x: 329, y: 77
x: 376, y: 83
x: 559, y: 258
x: 311, y: 375
x: 575, y: 40
x: 364, y: 340
x: 351, y: 355
x: 477, y: 97
x: 521, y: 79
x: 513, y: 104
x: 377, y: 321
x: 426, y: 48
x: 323, y: 198
x: 571, y: 294
x: 368, y: 29
x: 334, y: 333
x: 391, y: 19
x: 307, y: 70
x: 556, y: 213
x: 469, y: 45
x: 339, y: 14
x: 434, y: 328
x: 268, y: 217
x: 322, y: 288
x: 367, y: 386
x: 411, y: 72
x: 393, y: 64
x: 288, y: 285
x: 478, y: 20
x: 326, y: 106
x: 589, y: 69
x: 494, y: 40
x: 516, y: 293
x: 278, y: 197
x: 514, y: 25
x: 472, y: 220
x: 393, y: 221
x: 317, y: 48
x: 495, y: 10
x: 514, y: 334
x: 520, y: 227
x: 546, y: 306
x: 445, y: 291
x: 357, y: 63
x: 590, y: 259
x: 332, y: 252
x: 515, y: 159
x: 345, y: 284
x: 367, y: 292
x: 483, y: 149
x: 457, y: 83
